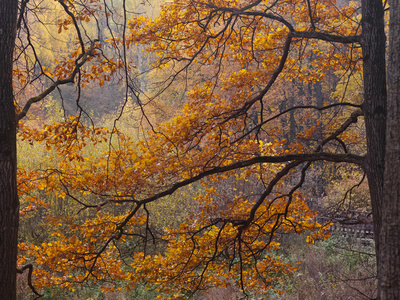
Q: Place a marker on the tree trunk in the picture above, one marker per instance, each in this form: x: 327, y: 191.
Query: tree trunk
x: 374, y: 106
x: 9, y: 205
x: 389, y: 255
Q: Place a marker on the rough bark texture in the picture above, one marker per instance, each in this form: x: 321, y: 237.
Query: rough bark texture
x: 374, y: 106
x: 389, y: 256
x: 9, y: 206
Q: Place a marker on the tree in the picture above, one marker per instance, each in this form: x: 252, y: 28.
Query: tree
x: 9, y: 207
x: 14, y: 19
x: 221, y: 134
x: 388, y: 267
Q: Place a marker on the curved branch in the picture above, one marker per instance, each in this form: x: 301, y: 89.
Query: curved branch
x: 296, y: 34
x: 352, y: 119
x: 297, y: 158
x: 273, y: 78
x: 258, y: 127
x: 55, y: 84
x: 245, y: 12
x: 75, y: 24
x: 21, y: 271
x: 305, y: 34
x: 293, y: 160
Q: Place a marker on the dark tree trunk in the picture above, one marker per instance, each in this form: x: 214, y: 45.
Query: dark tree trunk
x: 374, y: 106
x: 389, y: 254
x: 9, y: 205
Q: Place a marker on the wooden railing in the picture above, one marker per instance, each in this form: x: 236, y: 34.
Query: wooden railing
x: 352, y: 223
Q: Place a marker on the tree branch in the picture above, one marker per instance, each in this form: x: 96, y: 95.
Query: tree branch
x: 258, y: 127
x: 260, y: 96
x: 55, y: 84
x: 326, y: 37
x: 352, y: 119
x: 21, y: 271
x: 75, y: 24
x: 296, y: 34
x: 21, y: 12
x: 298, y: 158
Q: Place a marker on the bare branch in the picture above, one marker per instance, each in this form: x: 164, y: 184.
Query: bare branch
x: 310, y: 14
x: 328, y: 37
x: 273, y: 78
x: 21, y: 271
x: 258, y: 127
x: 57, y: 83
x: 75, y: 24
x: 21, y: 12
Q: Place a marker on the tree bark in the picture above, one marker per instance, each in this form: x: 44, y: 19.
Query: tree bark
x: 9, y: 205
x: 374, y: 106
x: 389, y: 255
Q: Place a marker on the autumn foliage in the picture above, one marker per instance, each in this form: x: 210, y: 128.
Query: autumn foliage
x: 229, y: 140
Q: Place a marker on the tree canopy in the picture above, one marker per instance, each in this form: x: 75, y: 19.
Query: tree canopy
x: 228, y: 120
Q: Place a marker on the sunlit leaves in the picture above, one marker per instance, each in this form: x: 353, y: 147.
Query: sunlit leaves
x: 111, y: 176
